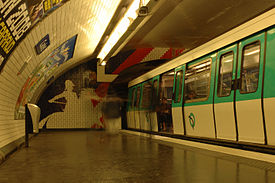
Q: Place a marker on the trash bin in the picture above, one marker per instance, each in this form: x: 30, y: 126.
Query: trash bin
x: 34, y: 112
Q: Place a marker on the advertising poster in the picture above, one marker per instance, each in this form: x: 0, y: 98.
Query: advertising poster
x: 48, y: 66
x: 16, y: 19
x: 14, y: 24
x: 38, y: 9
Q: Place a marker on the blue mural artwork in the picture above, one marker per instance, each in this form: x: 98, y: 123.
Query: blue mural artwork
x: 48, y: 66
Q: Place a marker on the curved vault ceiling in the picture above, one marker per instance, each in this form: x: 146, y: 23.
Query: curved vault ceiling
x: 177, y: 23
x: 86, y: 18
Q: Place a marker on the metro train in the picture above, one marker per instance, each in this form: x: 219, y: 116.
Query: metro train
x: 221, y: 91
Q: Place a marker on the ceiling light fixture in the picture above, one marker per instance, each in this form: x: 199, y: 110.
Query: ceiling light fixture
x: 122, y: 26
x: 103, y: 63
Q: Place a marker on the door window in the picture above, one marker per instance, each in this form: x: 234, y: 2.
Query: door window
x: 250, y: 68
x: 137, y: 99
x: 155, y: 100
x: 133, y: 98
x: 197, y: 81
x: 225, y: 74
x: 178, y: 87
x: 147, y: 95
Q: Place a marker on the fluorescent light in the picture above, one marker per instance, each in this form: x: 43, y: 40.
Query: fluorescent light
x: 202, y: 65
x: 103, y: 63
x: 102, y: 12
x: 226, y: 61
x: 252, y: 52
x: 121, y: 28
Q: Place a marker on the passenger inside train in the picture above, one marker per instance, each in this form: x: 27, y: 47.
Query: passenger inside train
x: 164, y: 115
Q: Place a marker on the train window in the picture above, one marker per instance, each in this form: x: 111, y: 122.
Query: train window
x: 137, y: 102
x: 178, y: 87
x: 133, y: 100
x: 197, y: 81
x: 166, y: 86
x: 147, y: 95
x: 130, y: 95
x: 250, y: 68
x: 225, y: 74
x: 155, y: 94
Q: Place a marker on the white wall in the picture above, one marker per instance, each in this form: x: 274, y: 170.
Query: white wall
x: 74, y: 17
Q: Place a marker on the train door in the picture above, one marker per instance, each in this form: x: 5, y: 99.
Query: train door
x: 177, y: 116
x: 130, y: 121
x: 248, y: 94
x: 224, y: 93
x: 132, y: 111
x: 165, y: 102
x: 137, y: 107
x: 269, y: 87
x: 155, y: 102
x: 198, y: 97
x: 146, y: 105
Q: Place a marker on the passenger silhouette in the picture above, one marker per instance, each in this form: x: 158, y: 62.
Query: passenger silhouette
x: 164, y: 113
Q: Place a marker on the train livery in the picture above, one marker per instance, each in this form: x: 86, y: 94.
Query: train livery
x: 223, y: 90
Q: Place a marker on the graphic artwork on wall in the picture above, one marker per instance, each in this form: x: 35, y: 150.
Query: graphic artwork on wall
x: 38, y: 9
x: 14, y: 24
x: 71, y: 101
x: 48, y: 66
x: 17, y: 17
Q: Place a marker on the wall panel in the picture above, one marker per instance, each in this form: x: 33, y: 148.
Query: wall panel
x: 74, y: 17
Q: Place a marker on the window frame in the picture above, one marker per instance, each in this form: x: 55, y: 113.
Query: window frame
x: 218, y: 84
x: 155, y: 93
x: 178, y: 87
x: 161, y: 87
x: 242, y: 62
x: 209, y: 81
x: 133, y: 99
x: 151, y: 94
x: 137, y: 104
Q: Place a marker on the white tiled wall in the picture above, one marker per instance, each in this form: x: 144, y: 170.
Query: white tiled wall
x: 75, y: 17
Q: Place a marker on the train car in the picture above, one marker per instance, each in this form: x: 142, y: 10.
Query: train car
x: 221, y: 91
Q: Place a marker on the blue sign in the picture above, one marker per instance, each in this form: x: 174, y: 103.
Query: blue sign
x: 42, y: 44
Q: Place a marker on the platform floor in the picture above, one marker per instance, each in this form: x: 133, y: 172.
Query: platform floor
x: 98, y: 156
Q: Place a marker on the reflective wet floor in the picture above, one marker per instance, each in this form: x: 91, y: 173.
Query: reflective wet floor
x: 98, y: 156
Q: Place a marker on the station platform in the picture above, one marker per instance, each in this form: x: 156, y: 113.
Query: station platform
x: 98, y: 156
